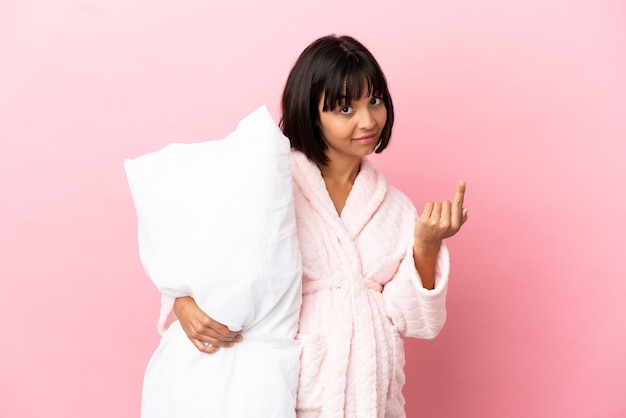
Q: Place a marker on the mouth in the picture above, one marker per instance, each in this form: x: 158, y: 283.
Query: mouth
x: 366, y: 139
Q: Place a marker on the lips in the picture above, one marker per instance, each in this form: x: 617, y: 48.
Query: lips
x: 367, y: 139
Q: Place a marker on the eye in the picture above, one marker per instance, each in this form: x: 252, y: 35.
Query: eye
x: 376, y: 101
x: 345, y: 110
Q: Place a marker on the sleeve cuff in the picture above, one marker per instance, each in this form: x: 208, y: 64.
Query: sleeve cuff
x: 442, y: 272
x: 167, y: 306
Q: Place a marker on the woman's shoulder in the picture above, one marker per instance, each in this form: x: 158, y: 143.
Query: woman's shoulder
x: 300, y: 164
x: 399, y: 199
x: 394, y: 197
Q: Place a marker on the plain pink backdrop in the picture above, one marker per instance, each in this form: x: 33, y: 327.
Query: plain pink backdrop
x: 526, y: 100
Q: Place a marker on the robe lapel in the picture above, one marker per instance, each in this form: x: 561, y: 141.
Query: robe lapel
x: 364, y: 199
x: 308, y: 178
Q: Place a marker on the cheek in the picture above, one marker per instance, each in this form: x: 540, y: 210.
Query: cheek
x: 382, y: 120
x: 333, y: 129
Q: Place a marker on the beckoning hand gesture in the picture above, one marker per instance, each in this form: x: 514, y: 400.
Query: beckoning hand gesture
x: 440, y: 220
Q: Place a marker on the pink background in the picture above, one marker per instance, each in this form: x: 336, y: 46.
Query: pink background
x: 526, y: 100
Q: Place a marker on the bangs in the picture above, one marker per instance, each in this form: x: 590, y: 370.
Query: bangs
x: 349, y: 82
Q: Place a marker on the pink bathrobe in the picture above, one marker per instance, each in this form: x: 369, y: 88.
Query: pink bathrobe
x: 361, y: 295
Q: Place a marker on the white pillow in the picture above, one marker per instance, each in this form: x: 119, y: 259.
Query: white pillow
x: 216, y: 222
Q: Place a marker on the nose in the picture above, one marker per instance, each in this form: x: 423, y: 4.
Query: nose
x: 366, y: 120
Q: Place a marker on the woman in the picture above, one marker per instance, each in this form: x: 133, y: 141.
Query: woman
x: 373, y: 271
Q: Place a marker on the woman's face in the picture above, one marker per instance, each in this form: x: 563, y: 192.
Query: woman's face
x: 353, y: 129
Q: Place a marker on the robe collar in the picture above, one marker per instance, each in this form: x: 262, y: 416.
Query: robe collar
x: 365, y: 197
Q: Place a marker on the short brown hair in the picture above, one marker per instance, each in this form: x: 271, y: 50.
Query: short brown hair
x: 332, y: 67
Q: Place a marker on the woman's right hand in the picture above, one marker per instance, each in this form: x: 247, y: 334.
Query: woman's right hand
x: 206, y: 334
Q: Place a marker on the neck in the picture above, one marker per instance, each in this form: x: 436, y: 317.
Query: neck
x: 339, y: 177
x: 341, y: 172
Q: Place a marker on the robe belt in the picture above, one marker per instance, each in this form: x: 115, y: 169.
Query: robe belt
x: 312, y: 286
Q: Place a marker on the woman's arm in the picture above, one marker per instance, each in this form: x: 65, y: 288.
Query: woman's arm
x: 415, y: 298
x: 206, y: 334
x: 415, y: 311
x: 438, y: 221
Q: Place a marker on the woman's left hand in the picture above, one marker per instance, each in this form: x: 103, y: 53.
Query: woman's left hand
x: 440, y: 220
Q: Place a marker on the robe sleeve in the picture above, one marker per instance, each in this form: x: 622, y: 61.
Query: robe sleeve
x: 167, y: 307
x: 417, y: 312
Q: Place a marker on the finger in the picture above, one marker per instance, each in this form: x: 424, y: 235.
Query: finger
x: 464, y: 219
x: 205, y: 347
x: 457, y: 208
x: 222, y: 330
x: 428, y: 209
x: 445, y: 221
x: 459, y: 196
x: 435, y: 215
x: 214, y: 337
x: 216, y: 342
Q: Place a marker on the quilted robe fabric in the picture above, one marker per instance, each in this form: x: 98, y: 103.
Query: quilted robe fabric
x: 361, y: 295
